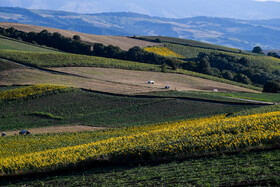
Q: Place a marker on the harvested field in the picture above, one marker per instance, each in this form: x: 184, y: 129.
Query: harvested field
x: 124, y: 43
x: 139, y: 79
x: 32, y: 76
x: 114, y: 80
x: 60, y: 129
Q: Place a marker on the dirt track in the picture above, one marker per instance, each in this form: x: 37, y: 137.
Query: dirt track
x: 124, y: 43
x: 59, y: 129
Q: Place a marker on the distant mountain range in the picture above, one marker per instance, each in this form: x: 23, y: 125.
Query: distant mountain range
x: 242, y: 34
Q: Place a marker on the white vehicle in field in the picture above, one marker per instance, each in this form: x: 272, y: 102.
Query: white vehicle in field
x: 151, y: 82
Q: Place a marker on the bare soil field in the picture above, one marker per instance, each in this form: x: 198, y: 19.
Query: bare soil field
x: 140, y: 79
x: 117, y: 81
x: 123, y: 42
x: 60, y: 129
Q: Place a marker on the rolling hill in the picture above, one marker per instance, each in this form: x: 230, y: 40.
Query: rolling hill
x: 186, y: 134
x: 123, y: 42
x: 242, y: 34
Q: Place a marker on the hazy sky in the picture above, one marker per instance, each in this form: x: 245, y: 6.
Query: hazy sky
x: 245, y: 9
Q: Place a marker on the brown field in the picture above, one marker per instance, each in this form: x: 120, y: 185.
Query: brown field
x: 60, y: 129
x: 114, y: 80
x: 123, y: 42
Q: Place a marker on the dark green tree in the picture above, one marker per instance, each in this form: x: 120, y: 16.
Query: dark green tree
x: 244, y: 61
x: 242, y: 78
x: 272, y: 87
x: 273, y: 54
x: 227, y: 75
x: 204, y: 66
x: 257, y: 49
x: 77, y: 38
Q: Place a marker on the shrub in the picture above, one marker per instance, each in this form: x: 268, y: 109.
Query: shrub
x: 272, y: 87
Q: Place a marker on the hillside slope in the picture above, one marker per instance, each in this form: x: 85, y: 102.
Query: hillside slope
x: 12, y: 44
x: 123, y: 42
x: 110, y: 80
x: 242, y: 34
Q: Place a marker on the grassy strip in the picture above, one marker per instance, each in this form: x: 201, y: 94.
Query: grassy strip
x: 220, y: 96
x: 260, y: 110
x: 13, y: 44
x: 211, y: 96
x: 268, y: 97
x: 258, y: 168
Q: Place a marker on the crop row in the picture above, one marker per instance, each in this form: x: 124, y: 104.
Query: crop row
x: 153, y: 142
x: 20, y: 93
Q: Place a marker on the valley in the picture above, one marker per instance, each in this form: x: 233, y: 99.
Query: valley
x: 99, y: 121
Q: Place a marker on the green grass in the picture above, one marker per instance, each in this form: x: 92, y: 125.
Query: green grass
x: 268, y: 97
x: 241, y: 169
x: 260, y: 110
x: 187, y: 51
x: 12, y: 44
x: 81, y: 107
x: 220, y: 96
x: 195, y: 95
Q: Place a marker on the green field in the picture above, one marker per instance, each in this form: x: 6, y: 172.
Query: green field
x: 211, y: 96
x: 82, y: 107
x: 267, y: 97
x: 12, y: 44
x: 227, y: 170
x: 193, y: 43
x: 152, y: 139
x: 259, y: 167
x: 38, y: 59
x: 260, y: 61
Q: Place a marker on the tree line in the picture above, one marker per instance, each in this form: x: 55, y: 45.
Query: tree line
x: 259, y: 50
x: 231, y: 67
x: 75, y: 45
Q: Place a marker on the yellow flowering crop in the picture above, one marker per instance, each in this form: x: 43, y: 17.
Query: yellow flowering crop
x: 163, y: 51
x: 24, y: 92
x: 152, y: 142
